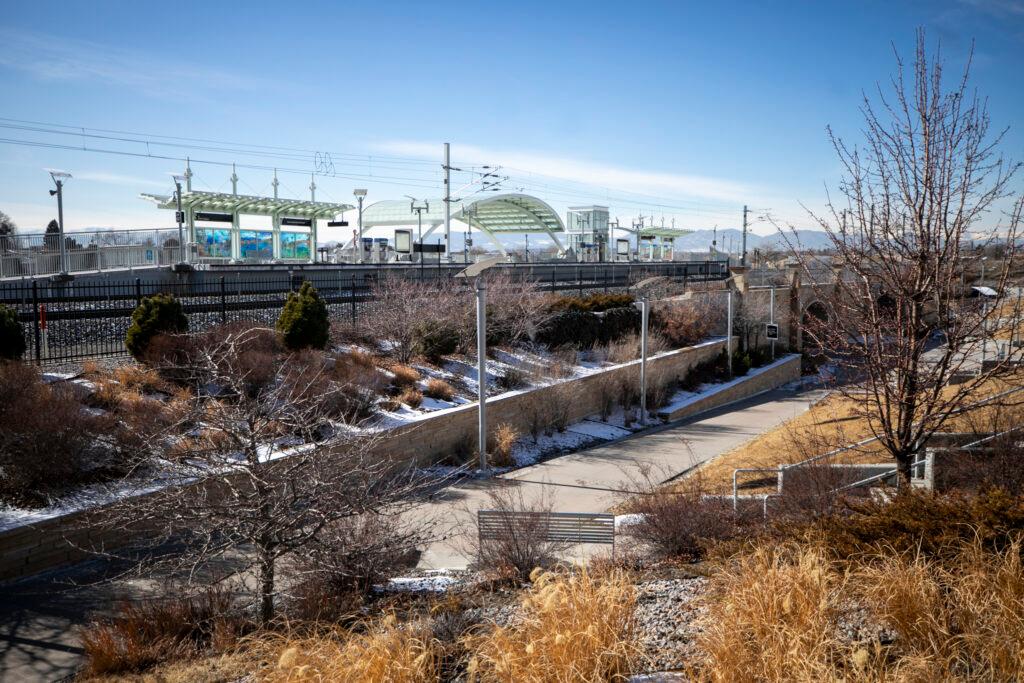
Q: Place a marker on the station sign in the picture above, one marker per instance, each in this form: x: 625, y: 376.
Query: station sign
x: 428, y: 248
x: 297, y: 222
x: 771, y: 331
x: 213, y: 217
x: 337, y: 224
x: 403, y: 241
x: 179, y: 216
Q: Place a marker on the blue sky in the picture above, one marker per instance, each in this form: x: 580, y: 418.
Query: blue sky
x: 682, y: 110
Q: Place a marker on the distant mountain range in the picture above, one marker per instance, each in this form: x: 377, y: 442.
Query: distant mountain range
x: 731, y: 239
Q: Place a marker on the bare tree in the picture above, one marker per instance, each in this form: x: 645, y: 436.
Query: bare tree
x: 928, y: 177
x: 401, y: 305
x: 261, y: 468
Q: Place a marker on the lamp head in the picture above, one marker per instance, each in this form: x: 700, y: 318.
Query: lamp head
x: 359, y: 193
x: 57, y: 174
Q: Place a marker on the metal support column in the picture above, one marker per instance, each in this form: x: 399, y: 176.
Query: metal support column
x: 481, y: 363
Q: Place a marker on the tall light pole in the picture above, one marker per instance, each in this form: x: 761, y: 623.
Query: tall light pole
x: 481, y: 368
x: 178, y: 180
x: 360, y: 195
x: 644, y: 305
x: 58, y: 178
x: 447, y: 202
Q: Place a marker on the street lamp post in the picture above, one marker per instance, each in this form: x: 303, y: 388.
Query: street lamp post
x: 481, y: 368
x: 58, y: 178
x: 360, y: 195
x: 644, y: 305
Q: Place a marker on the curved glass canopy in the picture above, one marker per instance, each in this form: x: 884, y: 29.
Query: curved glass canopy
x: 503, y: 213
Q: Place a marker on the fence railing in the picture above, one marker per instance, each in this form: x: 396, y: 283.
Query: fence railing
x: 30, y: 255
x: 65, y: 321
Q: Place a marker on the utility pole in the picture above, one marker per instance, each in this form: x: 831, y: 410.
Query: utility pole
x: 275, y: 183
x: 234, y: 181
x: 743, y: 256
x: 447, y: 201
x: 418, y: 209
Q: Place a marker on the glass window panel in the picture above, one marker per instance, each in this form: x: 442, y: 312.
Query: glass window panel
x: 257, y: 244
x: 214, y: 243
x: 295, y: 245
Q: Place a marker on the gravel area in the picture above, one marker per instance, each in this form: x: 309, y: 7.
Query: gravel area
x: 668, y: 617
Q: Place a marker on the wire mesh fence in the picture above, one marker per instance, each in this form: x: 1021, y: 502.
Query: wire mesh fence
x: 66, y: 321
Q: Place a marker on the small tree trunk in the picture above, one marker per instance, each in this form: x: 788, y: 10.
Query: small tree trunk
x: 904, y: 468
x: 266, y: 586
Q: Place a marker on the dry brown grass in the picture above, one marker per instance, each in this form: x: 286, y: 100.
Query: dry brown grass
x: 142, y: 378
x: 439, y: 389
x: 505, y: 437
x: 412, y: 397
x: 574, y: 627
x: 389, y: 651
x: 774, y: 615
x: 404, y: 375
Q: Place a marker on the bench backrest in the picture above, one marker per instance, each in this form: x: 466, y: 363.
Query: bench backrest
x: 569, y: 527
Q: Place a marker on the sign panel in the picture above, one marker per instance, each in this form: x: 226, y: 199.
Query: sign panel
x: 403, y: 241
x: 429, y: 248
x: 622, y: 247
x: 337, y: 224
x: 213, y: 217
x: 771, y: 331
x: 179, y: 216
x: 298, y: 222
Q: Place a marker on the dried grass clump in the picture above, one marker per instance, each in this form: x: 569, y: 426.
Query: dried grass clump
x: 141, y: 378
x: 628, y: 348
x: 575, y: 627
x: 390, y: 651
x: 404, y: 376
x: 439, y: 390
x: 966, y: 616
x: 772, y: 617
x: 411, y: 397
x: 505, y: 437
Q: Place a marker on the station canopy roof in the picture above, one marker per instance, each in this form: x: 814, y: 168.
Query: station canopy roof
x: 665, y: 233
x: 254, y: 206
x: 503, y: 213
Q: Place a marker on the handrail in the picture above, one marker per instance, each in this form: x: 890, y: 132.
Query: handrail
x: 864, y: 442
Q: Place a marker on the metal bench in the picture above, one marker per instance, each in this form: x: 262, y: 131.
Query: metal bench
x: 567, y: 527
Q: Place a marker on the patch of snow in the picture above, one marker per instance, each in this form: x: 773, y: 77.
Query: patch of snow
x: 599, y: 430
x: 623, y: 521
x: 437, y: 581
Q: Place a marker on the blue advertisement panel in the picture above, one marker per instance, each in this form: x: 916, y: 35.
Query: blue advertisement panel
x: 295, y: 245
x: 257, y: 244
x: 214, y: 243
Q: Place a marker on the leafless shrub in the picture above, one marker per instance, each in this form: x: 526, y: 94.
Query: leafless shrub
x: 512, y: 379
x: 548, y: 412
x: 628, y: 348
x: 679, y: 522
x: 684, y: 323
x: 48, y: 444
x: 605, y: 385
x: 357, y: 553
x: 140, y: 635
x: 523, y: 543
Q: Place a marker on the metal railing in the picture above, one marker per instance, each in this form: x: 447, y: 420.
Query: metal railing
x: 35, y: 254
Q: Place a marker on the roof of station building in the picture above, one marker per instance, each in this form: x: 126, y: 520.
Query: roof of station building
x: 248, y: 204
x: 508, y: 213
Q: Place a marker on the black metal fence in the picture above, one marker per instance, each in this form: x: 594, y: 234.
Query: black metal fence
x: 73, y: 320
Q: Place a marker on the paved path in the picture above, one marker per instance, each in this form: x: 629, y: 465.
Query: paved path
x: 39, y: 617
x: 593, y: 480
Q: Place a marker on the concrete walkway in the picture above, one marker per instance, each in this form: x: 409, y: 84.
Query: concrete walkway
x: 595, y: 479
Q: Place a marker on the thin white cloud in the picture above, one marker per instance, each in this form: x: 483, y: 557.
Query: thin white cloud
x: 52, y: 58
x: 619, y: 178
x: 119, y: 179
